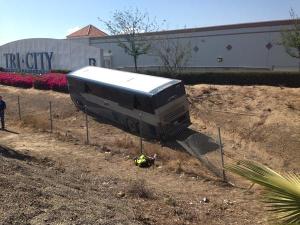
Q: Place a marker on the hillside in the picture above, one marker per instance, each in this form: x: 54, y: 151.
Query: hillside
x: 56, y: 179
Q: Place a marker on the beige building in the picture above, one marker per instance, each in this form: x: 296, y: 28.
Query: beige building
x: 238, y: 46
x: 254, y: 46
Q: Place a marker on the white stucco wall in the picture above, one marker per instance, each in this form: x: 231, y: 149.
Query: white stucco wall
x: 248, y: 49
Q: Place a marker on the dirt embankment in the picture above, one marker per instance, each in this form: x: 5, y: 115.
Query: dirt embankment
x: 56, y: 179
x: 48, y: 181
x: 258, y: 122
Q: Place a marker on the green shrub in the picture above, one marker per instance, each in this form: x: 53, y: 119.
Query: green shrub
x: 64, y: 71
x: 288, y: 79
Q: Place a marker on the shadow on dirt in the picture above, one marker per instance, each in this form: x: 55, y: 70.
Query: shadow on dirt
x: 188, y: 140
x: 193, y: 142
x: 10, y: 153
x: 10, y: 131
x: 196, y: 143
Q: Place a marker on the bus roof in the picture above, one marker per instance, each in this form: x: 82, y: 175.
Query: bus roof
x: 128, y: 80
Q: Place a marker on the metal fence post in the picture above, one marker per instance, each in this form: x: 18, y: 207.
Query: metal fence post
x: 50, y: 114
x: 141, y: 136
x: 86, y: 125
x: 222, y: 154
x: 19, y: 108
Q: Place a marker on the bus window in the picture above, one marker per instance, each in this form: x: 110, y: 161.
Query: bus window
x: 126, y: 100
x: 87, y: 89
x: 137, y: 103
x: 143, y: 103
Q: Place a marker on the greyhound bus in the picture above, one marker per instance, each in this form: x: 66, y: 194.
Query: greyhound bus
x: 156, y: 105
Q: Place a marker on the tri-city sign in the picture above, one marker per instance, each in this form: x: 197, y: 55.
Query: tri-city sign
x: 29, y: 62
x: 41, y: 55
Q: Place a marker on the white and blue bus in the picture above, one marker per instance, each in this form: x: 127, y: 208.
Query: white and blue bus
x: 126, y: 99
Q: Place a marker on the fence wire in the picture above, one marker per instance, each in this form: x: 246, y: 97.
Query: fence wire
x: 69, y: 124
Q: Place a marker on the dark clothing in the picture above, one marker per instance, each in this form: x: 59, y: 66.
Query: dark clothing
x: 2, y: 106
x: 2, y: 121
x: 2, y: 109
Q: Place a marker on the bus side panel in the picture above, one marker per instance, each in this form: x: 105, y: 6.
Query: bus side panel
x: 77, y: 89
x: 122, y: 121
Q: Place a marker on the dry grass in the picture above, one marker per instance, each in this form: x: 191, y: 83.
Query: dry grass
x: 139, y: 189
x: 37, y: 121
x: 84, y: 195
x: 263, y: 137
x: 126, y: 142
x: 175, y: 166
x: 290, y: 105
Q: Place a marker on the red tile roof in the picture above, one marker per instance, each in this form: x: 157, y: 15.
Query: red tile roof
x: 88, y: 31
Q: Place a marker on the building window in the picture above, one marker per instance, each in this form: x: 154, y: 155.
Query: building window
x: 220, y: 59
x: 228, y: 47
x: 92, y: 61
x: 269, y: 46
x: 196, y: 49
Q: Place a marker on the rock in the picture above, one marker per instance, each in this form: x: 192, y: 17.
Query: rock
x: 120, y: 194
x: 205, y: 200
x: 228, y: 202
x: 170, y: 201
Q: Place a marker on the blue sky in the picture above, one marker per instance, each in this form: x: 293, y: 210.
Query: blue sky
x: 21, y: 19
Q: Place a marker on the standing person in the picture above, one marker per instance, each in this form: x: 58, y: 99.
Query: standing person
x: 2, y: 109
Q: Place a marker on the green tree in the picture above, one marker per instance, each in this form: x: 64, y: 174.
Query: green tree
x: 129, y: 27
x: 291, y: 37
x: 282, y: 193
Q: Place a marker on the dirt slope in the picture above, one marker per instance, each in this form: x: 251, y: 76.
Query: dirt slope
x: 56, y: 179
x: 46, y: 181
x: 259, y: 122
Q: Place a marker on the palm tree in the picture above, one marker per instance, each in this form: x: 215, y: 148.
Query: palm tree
x: 282, y: 193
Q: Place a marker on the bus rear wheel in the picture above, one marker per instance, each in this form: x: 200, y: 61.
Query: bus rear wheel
x: 77, y: 104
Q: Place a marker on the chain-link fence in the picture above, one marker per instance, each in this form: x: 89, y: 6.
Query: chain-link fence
x: 59, y: 116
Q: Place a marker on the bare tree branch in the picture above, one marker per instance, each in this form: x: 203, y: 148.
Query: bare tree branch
x: 173, y: 54
x: 129, y: 27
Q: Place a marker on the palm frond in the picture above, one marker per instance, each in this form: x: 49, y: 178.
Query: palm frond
x: 282, y: 194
